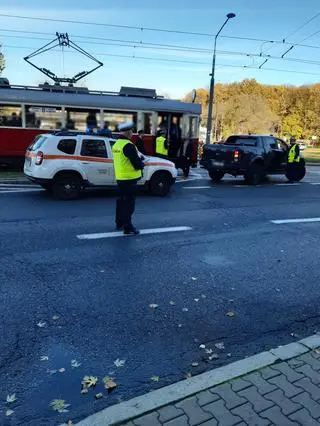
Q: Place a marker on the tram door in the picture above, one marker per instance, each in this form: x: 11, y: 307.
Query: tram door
x: 170, y: 123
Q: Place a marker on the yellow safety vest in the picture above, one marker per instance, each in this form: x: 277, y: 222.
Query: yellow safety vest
x: 160, y: 146
x: 123, y: 167
x: 292, y: 154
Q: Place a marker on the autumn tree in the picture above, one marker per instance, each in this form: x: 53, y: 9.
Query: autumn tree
x: 2, y: 61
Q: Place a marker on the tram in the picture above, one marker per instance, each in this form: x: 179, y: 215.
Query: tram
x: 26, y: 112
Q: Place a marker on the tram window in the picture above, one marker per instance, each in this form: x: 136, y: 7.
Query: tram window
x: 94, y: 148
x: 43, y: 117
x: 117, y: 117
x: 67, y: 146
x: 80, y: 119
x: 193, y: 127
x: 10, y: 116
x: 147, y: 123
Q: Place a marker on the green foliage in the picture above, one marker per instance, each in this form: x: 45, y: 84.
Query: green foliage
x: 248, y: 106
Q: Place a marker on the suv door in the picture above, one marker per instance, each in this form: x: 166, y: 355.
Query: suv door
x: 273, y: 155
x: 95, y: 162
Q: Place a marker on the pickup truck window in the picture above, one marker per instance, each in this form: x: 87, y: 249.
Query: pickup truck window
x: 270, y: 142
x: 241, y: 140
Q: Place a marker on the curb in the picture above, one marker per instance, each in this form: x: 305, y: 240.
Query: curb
x: 139, y: 406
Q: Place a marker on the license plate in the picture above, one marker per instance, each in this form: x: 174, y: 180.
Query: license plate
x: 217, y: 163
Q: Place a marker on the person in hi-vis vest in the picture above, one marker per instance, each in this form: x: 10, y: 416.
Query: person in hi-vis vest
x: 293, y: 162
x: 128, y: 171
x: 162, y: 146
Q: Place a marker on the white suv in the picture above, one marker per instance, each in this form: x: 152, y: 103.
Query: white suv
x: 68, y: 162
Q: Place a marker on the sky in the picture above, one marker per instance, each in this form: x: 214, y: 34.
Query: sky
x: 140, y: 57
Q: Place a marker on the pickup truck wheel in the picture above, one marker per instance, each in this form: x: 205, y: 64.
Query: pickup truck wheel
x: 216, y: 175
x: 254, y: 175
x: 160, y: 184
x: 67, y: 187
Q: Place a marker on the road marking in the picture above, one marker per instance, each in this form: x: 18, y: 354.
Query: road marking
x: 287, y: 184
x: 197, y: 187
x: 142, y: 232
x: 17, y: 191
x: 302, y: 220
x: 242, y: 186
x: 315, y: 183
x: 17, y: 185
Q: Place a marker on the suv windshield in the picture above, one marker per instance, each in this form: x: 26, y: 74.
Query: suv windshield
x: 37, y: 143
x: 241, y: 140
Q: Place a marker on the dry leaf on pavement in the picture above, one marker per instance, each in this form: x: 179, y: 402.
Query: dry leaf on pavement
x: 41, y: 324
x: 109, y: 383
x: 202, y: 346
x: 185, y: 310
x: 194, y: 278
x: 230, y: 314
x: 187, y: 375
x: 89, y: 381
x: 9, y: 413
x: 196, y: 300
x: 98, y: 395
x: 213, y: 356
x: 172, y: 303
x: 209, y: 351
x: 119, y: 362
x: 55, y: 317
x: 59, y: 405
x: 11, y: 398
x: 75, y: 363
x: 153, y: 306
x: 220, y: 346
x: 44, y: 358
x: 62, y: 370
x: 195, y: 364
x: 155, y: 378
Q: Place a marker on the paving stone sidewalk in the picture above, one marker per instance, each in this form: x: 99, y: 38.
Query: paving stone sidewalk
x: 286, y: 393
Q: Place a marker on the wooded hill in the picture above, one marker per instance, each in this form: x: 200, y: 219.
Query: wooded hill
x: 248, y: 106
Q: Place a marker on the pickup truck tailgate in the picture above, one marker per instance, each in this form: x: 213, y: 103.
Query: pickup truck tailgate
x: 221, y: 155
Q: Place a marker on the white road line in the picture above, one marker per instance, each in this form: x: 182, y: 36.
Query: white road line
x: 142, y: 232
x: 314, y: 183
x: 17, y: 185
x: 302, y: 220
x: 197, y: 187
x: 241, y: 186
x: 287, y: 184
x: 17, y: 191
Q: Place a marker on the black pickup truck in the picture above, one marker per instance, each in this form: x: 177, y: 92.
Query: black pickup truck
x: 251, y: 156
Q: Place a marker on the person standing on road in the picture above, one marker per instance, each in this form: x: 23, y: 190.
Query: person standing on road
x: 162, y: 146
x: 128, y: 168
x: 293, y: 163
x: 140, y: 143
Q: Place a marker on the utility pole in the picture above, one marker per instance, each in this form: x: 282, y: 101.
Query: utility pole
x: 212, y: 80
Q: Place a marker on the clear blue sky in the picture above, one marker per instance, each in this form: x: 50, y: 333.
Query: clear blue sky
x: 272, y: 20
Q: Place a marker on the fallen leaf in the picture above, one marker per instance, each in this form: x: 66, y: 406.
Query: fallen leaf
x: 230, y: 314
x: 102, y: 270
x: 89, y: 381
x: 278, y: 290
x: 220, y: 346
x: 41, y: 324
x: 69, y: 423
x: 109, y: 383
x: 119, y: 362
x: 229, y: 355
x: 52, y: 372
x: 75, y: 363
x: 11, y: 398
x: 209, y: 351
x: 59, y: 405
x: 179, y: 325
x: 62, y: 370
x: 185, y: 310
x: 187, y: 375
x: 153, y: 306
x: 44, y: 358
x: 55, y: 317
x: 196, y: 300
x: 202, y: 346
x: 213, y: 356
x: 98, y: 396
x: 194, y: 278
x: 195, y: 364
x: 203, y: 296
x: 172, y: 303
x: 155, y: 378
x: 84, y: 390
x: 231, y: 300
x: 9, y: 413
x: 233, y: 288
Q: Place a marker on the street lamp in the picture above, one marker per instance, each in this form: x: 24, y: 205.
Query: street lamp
x: 211, y: 98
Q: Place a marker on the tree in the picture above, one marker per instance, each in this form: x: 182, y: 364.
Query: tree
x: 2, y: 61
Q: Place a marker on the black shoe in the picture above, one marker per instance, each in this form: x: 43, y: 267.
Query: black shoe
x: 131, y: 231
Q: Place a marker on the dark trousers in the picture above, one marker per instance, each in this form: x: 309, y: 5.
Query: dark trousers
x: 125, y: 203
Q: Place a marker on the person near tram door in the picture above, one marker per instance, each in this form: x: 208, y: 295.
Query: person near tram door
x: 294, y: 160
x: 140, y: 143
x: 128, y: 167
x: 162, y: 146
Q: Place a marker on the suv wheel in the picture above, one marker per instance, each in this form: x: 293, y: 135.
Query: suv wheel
x: 67, y: 187
x: 255, y: 174
x: 160, y: 184
x: 216, y: 175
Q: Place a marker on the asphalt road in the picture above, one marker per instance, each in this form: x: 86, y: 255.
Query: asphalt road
x: 235, y: 278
